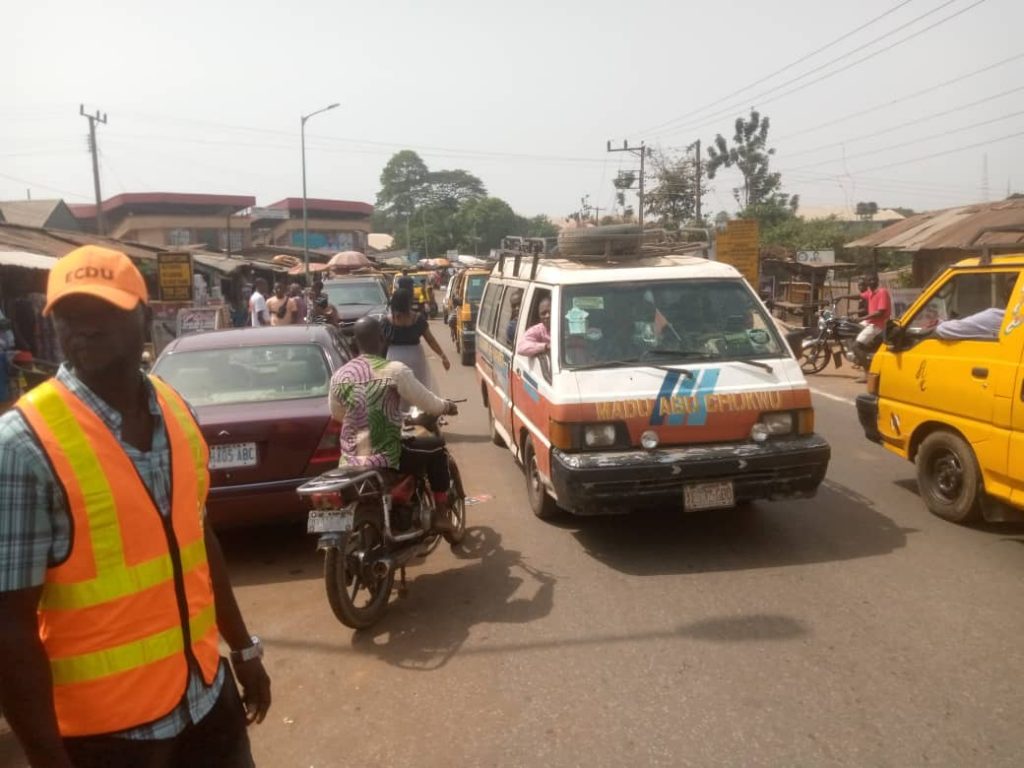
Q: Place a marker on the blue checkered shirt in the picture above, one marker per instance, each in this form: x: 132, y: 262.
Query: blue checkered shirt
x: 35, y: 526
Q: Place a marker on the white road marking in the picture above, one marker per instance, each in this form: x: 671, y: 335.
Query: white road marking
x: 830, y: 396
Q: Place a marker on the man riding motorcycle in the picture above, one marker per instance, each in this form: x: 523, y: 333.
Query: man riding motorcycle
x: 364, y: 396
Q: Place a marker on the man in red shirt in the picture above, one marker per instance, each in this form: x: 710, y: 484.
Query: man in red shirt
x: 879, y: 312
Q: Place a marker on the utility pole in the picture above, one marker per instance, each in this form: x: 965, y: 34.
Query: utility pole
x: 101, y: 227
x: 696, y: 146
x: 642, y: 150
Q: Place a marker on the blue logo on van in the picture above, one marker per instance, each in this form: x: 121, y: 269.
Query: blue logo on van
x: 683, y: 399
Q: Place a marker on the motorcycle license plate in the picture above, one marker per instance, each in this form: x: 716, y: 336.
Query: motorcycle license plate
x: 708, y: 496
x: 329, y: 521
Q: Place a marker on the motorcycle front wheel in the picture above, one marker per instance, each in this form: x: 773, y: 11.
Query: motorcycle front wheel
x: 815, y: 357
x: 357, y: 597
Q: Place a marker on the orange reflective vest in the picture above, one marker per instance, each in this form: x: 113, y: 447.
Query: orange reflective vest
x: 122, y: 614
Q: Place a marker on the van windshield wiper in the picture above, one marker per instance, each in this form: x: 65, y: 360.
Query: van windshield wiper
x: 755, y: 363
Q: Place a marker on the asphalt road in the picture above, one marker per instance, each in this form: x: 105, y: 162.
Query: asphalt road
x: 851, y: 629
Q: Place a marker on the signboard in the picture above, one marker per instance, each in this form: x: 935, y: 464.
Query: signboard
x: 198, y: 319
x: 277, y: 214
x: 174, y: 276
x: 740, y: 245
x: 816, y: 257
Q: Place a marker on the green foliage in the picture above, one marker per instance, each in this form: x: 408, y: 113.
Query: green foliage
x: 798, y: 234
x: 435, y: 211
x: 761, y: 195
x: 672, y: 199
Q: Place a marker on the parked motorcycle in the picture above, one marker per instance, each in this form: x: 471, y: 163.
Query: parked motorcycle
x: 372, y: 522
x: 835, y: 339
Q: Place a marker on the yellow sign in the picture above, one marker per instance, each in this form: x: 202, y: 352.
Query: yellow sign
x: 174, y: 276
x: 740, y: 246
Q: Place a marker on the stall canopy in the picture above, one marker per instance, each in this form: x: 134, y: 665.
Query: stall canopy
x: 26, y: 260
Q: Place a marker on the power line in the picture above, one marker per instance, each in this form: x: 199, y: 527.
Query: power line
x: 902, y: 99
x: 915, y: 121
x: 44, y: 186
x: 917, y: 140
x: 709, y: 119
x: 963, y: 148
x: 779, y: 71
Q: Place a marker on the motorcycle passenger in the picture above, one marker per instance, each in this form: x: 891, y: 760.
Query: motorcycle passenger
x: 364, y: 396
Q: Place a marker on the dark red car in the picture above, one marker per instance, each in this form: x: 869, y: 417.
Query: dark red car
x: 261, y: 398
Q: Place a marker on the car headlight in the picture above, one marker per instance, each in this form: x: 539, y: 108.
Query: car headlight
x: 778, y: 423
x: 599, y: 435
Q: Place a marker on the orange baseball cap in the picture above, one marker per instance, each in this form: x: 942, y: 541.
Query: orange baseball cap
x: 96, y: 271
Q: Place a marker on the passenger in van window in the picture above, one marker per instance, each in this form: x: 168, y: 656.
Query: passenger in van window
x: 983, y: 325
x: 515, y: 300
x: 537, y: 339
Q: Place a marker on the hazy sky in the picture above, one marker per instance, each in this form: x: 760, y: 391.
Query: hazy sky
x: 206, y: 96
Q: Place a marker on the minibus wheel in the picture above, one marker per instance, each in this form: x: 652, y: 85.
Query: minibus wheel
x: 949, y: 478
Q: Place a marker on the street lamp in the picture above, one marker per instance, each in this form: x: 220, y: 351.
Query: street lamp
x: 305, y: 232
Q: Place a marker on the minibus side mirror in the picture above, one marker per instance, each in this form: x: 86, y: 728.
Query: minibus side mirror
x: 895, y: 335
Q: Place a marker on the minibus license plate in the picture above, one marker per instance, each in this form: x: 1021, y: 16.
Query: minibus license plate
x: 708, y: 496
x: 329, y: 521
x: 232, y: 455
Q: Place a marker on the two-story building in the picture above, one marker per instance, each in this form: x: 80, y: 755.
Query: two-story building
x: 333, y: 225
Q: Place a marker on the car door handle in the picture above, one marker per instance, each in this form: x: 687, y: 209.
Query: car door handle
x: 979, y: 373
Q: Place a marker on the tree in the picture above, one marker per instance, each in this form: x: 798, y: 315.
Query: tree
x: 482, y: 223
x: 623, y: 182
x: 403, y: 189
x: 454, y: 188
x: 798, y: 234
x: 866, y: 210
x: 672, y: 200
x: 761, y: 195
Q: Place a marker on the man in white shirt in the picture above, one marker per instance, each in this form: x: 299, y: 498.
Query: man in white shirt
x: 258, y: 314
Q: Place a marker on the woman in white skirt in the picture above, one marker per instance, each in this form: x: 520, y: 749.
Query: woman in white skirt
x: 405, y: 331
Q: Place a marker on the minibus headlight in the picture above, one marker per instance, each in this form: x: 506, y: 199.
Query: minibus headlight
x: 598, y: 435
x: 778, y: 423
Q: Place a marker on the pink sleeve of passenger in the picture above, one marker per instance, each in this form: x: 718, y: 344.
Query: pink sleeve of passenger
x: 533, y: 341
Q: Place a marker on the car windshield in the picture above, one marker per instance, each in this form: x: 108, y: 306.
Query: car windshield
x: 247, y: 374
x: 363, y: 292
x: 475, y: 287
x: 664, y: 322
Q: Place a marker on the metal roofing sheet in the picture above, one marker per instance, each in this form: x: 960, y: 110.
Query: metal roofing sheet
x: 26, y: 260
x: 952, y: 228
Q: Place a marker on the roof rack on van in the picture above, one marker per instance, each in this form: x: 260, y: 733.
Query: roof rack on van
x: 986, y: 250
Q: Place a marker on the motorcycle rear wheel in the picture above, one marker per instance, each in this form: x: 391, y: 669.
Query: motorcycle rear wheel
x: 357, y: 600
x: 815, y: 358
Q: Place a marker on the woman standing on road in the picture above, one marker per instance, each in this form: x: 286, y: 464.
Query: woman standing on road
x: 405, y: 331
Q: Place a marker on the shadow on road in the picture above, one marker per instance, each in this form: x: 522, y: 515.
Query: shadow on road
x: 839, y: 524
x: 271, y: 554
x: 426, y: 629
x: 456, y: 438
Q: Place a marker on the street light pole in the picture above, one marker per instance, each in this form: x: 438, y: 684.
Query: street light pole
x: 305, y: 221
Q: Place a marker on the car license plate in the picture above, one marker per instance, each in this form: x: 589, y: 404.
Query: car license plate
x: 329, y: 521
x: 232, y: 455
x: 708, y: 496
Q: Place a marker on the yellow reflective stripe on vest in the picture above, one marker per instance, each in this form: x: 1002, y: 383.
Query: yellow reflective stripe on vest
x: 121, y: 581
x: 138, y: 653
x: 188, y: 426
x: 104, y: 530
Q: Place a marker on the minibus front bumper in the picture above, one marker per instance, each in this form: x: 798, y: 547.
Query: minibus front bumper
x: 614, y: 481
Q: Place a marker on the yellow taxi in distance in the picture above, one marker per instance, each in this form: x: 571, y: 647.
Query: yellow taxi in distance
x: 946, y: 391
x: 422, y: 291
x: 461, y: 307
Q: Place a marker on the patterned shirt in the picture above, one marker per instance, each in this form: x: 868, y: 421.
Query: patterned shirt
x: 364, y: 397
x: 35, y: 524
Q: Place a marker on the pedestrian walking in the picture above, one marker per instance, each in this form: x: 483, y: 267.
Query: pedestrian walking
x: 114, y: 593
x: 406, y: 328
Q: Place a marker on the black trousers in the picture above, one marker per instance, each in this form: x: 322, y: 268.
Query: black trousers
x: 219, y: 740
x: 432, y: 461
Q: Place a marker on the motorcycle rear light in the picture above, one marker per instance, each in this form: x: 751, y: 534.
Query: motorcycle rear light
x: 329, y: 447
x: 326, y: 500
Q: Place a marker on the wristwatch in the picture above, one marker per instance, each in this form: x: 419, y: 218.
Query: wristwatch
x: 254, y: 651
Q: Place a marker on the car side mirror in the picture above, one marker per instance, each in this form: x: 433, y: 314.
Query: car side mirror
x: 795, y: 340
x: 895, y: 335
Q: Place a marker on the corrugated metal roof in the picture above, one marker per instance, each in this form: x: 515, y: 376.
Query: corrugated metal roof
x: 29, y: 213
x: 950, y: 229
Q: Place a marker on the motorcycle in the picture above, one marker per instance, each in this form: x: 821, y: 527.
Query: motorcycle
x: 836, y: 338
x: 372, y: 522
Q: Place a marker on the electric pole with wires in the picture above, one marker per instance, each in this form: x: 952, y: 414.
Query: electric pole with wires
x: 93, y: 119
x: 642, y: 151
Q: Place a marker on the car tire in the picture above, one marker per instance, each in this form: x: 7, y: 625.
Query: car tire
x: 496, y: 437
x: 543, y: 506
x: 949, y: 479
x: 467, y: 357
